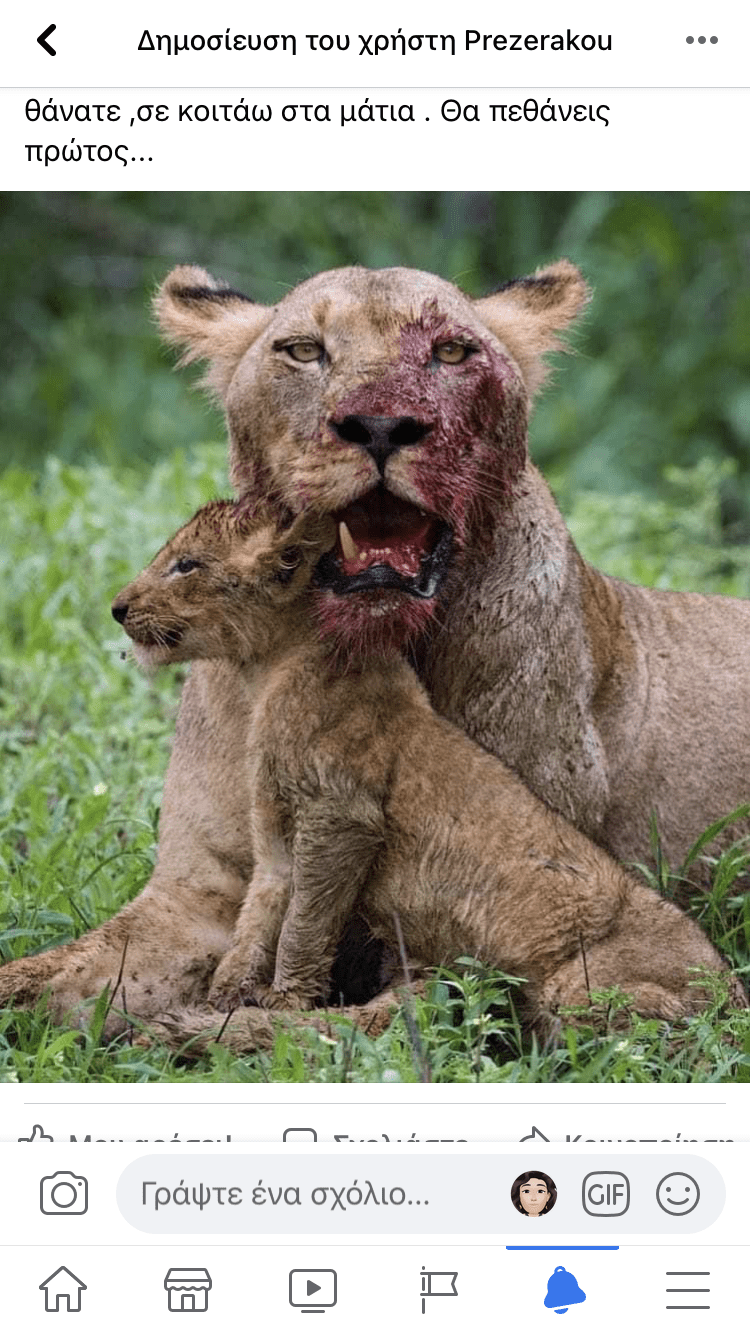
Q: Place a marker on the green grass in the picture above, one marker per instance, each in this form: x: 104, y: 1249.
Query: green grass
x: 85, y: 741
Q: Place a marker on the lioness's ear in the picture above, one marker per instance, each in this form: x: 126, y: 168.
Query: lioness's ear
x: 209, y: 321
x: 528, y: 315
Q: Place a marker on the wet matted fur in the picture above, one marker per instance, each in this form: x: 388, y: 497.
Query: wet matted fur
x: 400, y: 406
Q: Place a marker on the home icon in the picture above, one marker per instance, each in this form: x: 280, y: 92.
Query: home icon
x: 187, y: 1289
x: 62, y: 1291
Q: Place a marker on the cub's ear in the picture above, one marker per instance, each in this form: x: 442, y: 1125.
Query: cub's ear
x: 298, y: 549
x: 209, y: 321
x: 528, y: 315
x: 314, y: 532
x: 286, y: 556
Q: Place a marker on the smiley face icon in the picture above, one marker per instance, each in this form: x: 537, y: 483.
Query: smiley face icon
x: 678, y: 1194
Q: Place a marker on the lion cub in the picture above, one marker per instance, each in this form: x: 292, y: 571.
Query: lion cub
x: 362, y: 796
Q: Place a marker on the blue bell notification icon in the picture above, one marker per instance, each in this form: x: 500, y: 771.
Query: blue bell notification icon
x: 562, y: 1291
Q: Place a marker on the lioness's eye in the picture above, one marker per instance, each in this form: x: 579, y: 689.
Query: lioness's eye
x: 184, y: 565
x: 304, y: 351
x: 451, y: 353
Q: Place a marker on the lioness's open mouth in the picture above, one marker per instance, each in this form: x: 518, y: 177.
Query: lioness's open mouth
x: 386, y: 542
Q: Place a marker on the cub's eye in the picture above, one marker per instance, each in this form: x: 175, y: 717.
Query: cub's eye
x: 304, y: 350
x: 451, y: 353
x: 184, y: 565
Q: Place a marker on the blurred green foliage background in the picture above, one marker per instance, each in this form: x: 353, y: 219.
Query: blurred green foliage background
x: 662, y: 374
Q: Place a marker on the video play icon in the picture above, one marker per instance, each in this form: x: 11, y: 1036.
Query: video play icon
x: 312, y: 1289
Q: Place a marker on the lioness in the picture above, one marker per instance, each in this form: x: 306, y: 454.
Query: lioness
x: 400, y: 406
x: 360, y: 795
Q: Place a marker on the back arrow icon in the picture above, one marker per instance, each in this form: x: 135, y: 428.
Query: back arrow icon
x: 42, y: 40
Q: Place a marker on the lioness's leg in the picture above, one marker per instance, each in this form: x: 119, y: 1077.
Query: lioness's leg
x: 160, y: 950
x: 169, y: 939
x: 249, y: 1029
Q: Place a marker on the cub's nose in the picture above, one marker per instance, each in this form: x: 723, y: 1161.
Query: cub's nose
x: 119, y: 611
x: 381, y: 436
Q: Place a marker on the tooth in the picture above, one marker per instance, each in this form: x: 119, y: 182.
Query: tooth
x: 347, y: 542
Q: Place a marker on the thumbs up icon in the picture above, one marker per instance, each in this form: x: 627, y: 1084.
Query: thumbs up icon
x: 37, y: 1134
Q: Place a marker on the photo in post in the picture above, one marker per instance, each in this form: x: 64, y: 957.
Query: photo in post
x: 409, y: 789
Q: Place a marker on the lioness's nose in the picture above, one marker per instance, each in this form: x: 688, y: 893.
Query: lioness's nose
x: 119, y: 611
x: 381, y: 436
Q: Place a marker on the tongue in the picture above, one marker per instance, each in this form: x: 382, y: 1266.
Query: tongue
x: 383, y: 530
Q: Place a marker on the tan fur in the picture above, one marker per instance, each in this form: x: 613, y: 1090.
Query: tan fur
x: 158, y: 954
x: 611, y: 702
x: 362, y: 797
x: 194, y: 1029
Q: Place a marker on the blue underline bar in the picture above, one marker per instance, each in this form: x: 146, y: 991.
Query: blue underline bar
x: 562, y: 1248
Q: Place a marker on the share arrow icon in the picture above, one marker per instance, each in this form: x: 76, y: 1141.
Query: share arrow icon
x: 42, y: 40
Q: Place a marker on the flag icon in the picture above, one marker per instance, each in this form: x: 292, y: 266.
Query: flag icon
x: 438, y: 1283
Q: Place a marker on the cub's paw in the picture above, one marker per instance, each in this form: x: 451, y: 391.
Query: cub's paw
x: 268, y: 998
x: 226, y: 998
x: 230, y: 990
x: 236, y: 979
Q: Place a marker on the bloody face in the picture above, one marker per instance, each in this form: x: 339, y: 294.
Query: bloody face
x: 407, y: 425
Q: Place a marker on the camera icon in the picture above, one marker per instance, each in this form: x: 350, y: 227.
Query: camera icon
x: 63, y: 1193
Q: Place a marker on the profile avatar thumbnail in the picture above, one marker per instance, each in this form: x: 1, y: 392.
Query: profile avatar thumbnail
x: 533, y: 1193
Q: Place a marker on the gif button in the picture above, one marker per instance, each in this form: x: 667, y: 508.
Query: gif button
x: 606, y: 1194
